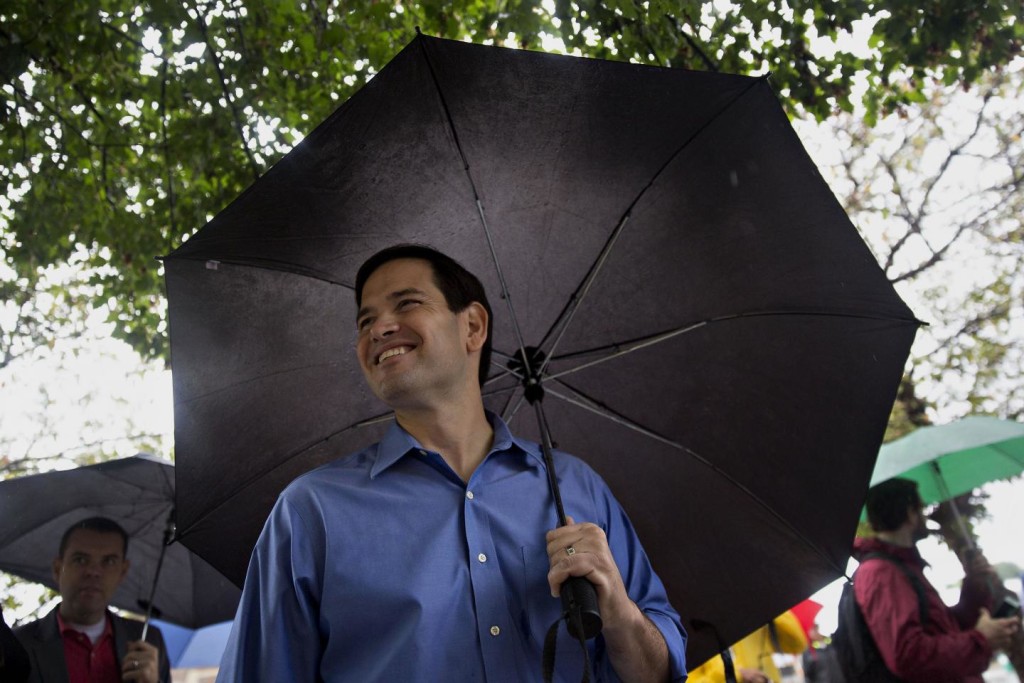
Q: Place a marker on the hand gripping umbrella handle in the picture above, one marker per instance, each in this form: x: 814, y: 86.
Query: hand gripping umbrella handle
x: 579, y: 600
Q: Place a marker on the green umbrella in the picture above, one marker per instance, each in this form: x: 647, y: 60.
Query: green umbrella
x: 952, y: 459
x: 949, y: 460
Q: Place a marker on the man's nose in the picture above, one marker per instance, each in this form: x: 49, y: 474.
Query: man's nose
x: 383, y: 328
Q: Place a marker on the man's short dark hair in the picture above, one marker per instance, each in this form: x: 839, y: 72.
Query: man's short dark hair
x: 459, y: 286
x: 101, y: 525
x: 889, y: 503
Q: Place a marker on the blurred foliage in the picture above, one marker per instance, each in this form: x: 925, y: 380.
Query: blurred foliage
x: 1008, y: 570
x: 125, y: 126
x: 937, y: 196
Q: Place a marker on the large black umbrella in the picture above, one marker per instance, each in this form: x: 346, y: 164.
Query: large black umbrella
x: 137, y: 493
x: 717, y: 340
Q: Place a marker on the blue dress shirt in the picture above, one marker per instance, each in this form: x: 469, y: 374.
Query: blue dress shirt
x: 386, y: 566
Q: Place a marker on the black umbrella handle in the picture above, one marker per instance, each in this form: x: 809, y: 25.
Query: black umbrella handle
x: 580, y: 597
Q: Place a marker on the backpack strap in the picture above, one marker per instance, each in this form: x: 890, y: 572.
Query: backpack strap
x: 922, y: 599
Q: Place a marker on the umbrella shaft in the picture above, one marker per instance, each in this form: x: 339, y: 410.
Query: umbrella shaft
x: 549, y: 463
x: 944, y: 492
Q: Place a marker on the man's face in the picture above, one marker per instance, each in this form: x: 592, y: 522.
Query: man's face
x: 412, y: 349
x: 89, y: 572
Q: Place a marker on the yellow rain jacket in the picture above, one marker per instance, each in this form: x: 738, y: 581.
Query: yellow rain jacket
x: 755, y: 652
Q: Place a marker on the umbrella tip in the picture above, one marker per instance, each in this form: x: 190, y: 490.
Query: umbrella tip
x: 418, y: 32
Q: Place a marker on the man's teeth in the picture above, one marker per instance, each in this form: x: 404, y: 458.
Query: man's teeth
x: 397, y: 351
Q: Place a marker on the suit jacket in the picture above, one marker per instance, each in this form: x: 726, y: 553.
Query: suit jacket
x: 13, y: 658
x: 45, y: 646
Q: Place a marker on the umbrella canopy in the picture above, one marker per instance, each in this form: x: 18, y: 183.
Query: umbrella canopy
x: 719, y: 343
x: 952, y: 459
x: 137, y: 493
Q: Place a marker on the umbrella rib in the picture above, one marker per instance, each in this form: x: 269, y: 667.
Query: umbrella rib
x: 233, y: 385
x: 476, y: 198
x: 998, y: 448
x: 563, y: 321
x: 367, y: 422
x: 603, y: 411
x: 264, y: 263
x: 621, y: 349
x: 581, y: 292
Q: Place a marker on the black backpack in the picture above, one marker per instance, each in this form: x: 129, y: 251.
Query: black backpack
x: 856, y: 655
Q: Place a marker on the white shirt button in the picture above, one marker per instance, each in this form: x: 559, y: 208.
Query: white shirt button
x: 495, y: 630
x: 422, y: 452
x: 481, y: 557
x: 469, y: 494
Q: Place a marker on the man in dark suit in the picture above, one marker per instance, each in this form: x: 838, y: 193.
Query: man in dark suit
x: 81, y: 640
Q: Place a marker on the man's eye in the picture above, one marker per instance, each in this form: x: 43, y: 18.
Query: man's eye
x: 363, y: 324
x: 407, y: 303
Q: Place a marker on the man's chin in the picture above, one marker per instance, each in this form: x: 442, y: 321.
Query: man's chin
x: 392, y: 390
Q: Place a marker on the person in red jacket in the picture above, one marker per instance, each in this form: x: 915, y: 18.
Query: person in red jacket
x: 953, y: 644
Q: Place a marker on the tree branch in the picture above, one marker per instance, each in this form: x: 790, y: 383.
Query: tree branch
x: 235, y: 114
x: 708, y: 62
x: 20, y: 465
x: 169, y: 168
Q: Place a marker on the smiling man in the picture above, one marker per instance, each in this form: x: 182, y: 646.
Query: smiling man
x: 431, y: 555
x: 81, y: 641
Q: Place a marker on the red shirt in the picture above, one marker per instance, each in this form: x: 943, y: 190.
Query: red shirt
x: 88, y: 662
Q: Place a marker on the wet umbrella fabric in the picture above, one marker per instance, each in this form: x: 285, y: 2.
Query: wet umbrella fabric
x: 138, y: 493
x: 720, y: 344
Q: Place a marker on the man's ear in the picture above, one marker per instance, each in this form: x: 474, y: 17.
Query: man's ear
x: 476, y: 320
x: 125, y: 566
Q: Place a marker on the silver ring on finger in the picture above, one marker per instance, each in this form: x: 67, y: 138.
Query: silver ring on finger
x: 570, y: 551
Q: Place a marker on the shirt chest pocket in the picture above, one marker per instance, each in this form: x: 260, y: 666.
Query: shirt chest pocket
x: 530, y: 603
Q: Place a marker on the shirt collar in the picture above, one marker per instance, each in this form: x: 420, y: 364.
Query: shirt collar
x: 64, y: 626
x: 863, y: 546
x: 397, y: 443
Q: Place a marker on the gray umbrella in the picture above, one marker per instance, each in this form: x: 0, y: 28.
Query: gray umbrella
x: 136, y: 492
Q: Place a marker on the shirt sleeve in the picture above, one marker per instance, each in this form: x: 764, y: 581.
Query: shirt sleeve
x: 642, y: 584
x: 891, y: 609
x: 275, y: 635
x: 975, y: 593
